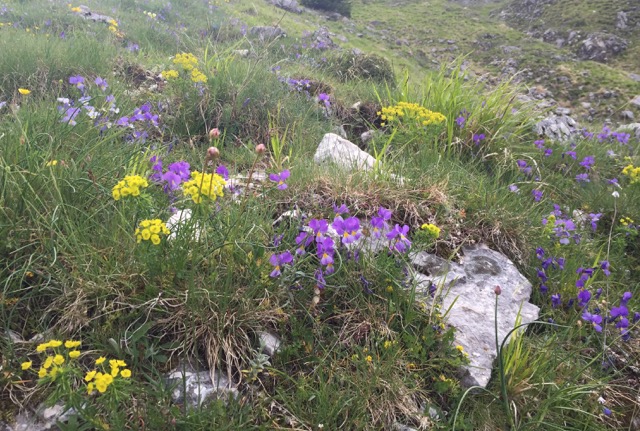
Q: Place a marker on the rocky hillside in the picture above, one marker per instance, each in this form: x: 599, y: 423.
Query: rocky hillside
x: 572, y: 56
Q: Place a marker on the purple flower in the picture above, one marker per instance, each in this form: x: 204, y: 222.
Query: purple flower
x: 326, y: 251
x: 539, y: 144
x: 595, y: 320
x: 348, y: 229
x: 377, y: 226
x: 182, y: 169
x: 598, y: 292
x: 540, y: 252
x: 544, y: 289
x: 571, y: 154
x: 223, y: 172
x: 513, y: 188
x: 524, y: 167
x: 319, y: 227
x: 280, y: 179
x: 384, y: 213
x: 324, y: 98
x: 584, y: 297
x: 583, y: 178
x: 626, y: 296
x: 478, y: 138
x: 587, y: 162
x: 460, y: 121
x: 604, y: 266
x: 173, y: 180
x: 303, y: 240
x: 78, y: 81
x: 342, y: 209
x: 399, y: 234
x: 123, y: 121
x: 542, y: 276
x: 320, y: 281
x: 556, y: 301
x: 101, y: 83
x: 277, y: 260
x: 623, y: 323
x: 548, y: 152
x: 537, y: 195
x: 606, y: 411
x: 616, y: 312
x: 636, y: 317
x: 69, y: 116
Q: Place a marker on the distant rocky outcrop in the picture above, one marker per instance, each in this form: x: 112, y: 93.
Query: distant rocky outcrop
x: 288, y: 5
x: 601, y: 47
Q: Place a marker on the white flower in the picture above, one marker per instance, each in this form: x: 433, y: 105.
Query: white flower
x: 615, y: 194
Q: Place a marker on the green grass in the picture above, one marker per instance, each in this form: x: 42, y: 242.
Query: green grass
x: 359, y: 354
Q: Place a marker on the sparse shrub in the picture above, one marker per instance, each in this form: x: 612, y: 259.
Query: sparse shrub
x: 348, y: 66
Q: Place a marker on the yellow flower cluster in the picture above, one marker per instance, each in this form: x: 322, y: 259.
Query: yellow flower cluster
x: 626, y: 221
x: 197, y: 76
x: 24, y: 91
x: 151, y: 230
x: 150, y: 14
x: 52, y: 364
x: 170, y: 74
x: 405, y: 111
x: 130, y: 186
x: 633, y: 173
x: 431, y: 229
x: 100, y: 380
x: 188, y: 62
x: 209, y: 185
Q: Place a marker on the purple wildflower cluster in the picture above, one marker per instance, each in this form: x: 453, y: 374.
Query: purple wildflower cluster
x: 609, y: 136
x: 562, y: 226
x: 105, y: 115
x: 618, y: 315
x: 326, y: 239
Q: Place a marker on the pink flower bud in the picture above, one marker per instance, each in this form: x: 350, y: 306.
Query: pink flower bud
x: 261, y: 149
x: 214, y: 133
x: 497, y: 290
x: 213, y: 153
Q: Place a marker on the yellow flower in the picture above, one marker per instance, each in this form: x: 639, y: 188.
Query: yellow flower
x: 42, y: 373
x: 51, y: 163
x: 431, y: 229
x: 24, y: 91
x: 58, y: 360
x: 100, y: 360
x: 200, y: 185
x: 90, y: 375
x: 74, y: 354
x: 369, y: 358
x: 55, y: 343
x: 390, y: 289
x: 126, y: 373
x: 170, y: 74
x: 26, y: 365
x: 90, y: 387
x: 42, y: 347
x: 47, y: 362
x: 54, y: 372
x: 155, y: 239
x: 70, y: 344
x: 130, y: 185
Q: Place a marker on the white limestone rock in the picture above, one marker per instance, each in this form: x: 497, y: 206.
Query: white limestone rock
x: 471, y: 284
x: 200, y: 388
x: 343, y: 153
